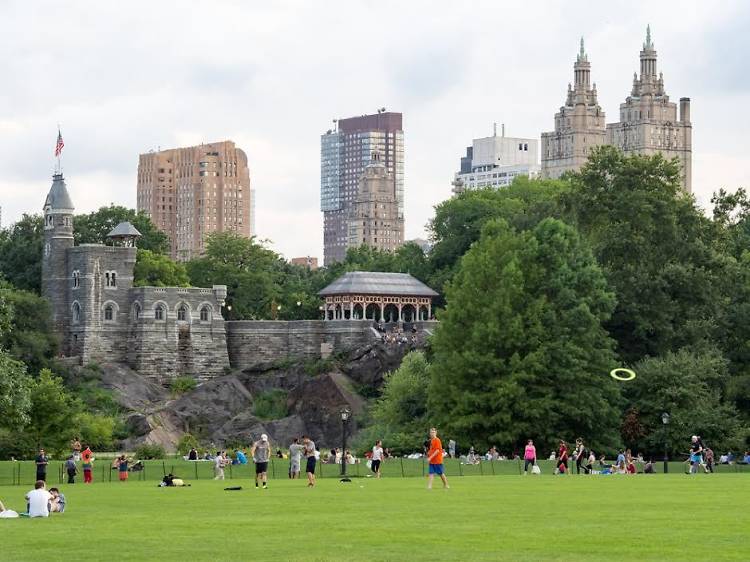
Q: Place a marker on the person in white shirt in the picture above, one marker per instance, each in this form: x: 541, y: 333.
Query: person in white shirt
x: 219, y: 463
x: 377, y: 457
x: 38, y: 499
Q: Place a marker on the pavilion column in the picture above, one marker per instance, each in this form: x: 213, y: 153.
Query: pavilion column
x: 400, y: 309
x: 380, y: 308
x: 325, y: 312
x: 429, y: 311
x: 351, y: 310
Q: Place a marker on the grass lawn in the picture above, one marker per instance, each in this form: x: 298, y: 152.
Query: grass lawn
x: 672, y: 517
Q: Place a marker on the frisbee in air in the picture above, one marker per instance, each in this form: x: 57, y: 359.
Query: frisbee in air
x: 628, y: 374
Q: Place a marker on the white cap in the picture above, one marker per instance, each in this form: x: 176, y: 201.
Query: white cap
x: 264, y: 437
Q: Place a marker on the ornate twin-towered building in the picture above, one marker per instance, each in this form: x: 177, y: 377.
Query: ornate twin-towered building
x: 649, y: 122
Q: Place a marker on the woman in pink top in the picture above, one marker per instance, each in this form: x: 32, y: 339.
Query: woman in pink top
x: 529, y: 456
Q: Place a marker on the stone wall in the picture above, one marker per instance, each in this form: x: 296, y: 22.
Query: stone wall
x: 254, y: 342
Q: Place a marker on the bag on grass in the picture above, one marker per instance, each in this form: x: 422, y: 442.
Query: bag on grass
x: 535, y: 469
x: 369, y: 464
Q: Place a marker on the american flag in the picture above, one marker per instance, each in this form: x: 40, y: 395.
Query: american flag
x: 60, y: 143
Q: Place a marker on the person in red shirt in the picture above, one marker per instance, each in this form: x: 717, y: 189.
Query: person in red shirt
x: 435, y: 460
x: 562, y: 458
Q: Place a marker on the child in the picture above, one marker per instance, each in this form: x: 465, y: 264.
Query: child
x: 122, y: 468
x: 57, y: 501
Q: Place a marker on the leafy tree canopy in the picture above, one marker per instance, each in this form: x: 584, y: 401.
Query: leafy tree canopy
x: 157, y: 270
x: 94, y: 227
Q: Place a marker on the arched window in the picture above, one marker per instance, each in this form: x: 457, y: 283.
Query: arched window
x: 113, y: 278
x: 109, y: 312
x: 205, y: 314
x: 76, y: 279
x: 76, y: 313
x: 182, y: 313
x: 159, y: 312
x: 136, y: 311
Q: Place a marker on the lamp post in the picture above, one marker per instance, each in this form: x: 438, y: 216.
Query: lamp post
x: 229, y: 312
x: 345, y: 414
x: 665, y: 423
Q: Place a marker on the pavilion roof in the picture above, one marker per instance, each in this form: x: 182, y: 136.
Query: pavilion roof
x: 378, y: 283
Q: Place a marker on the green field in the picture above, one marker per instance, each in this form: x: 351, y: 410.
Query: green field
x: 639, y: 517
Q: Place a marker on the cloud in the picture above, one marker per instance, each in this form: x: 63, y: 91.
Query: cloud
x: 122, y: 79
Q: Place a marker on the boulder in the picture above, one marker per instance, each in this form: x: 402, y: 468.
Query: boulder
x: 246, y: 428
x: 131, y: 390
x: 137, y: 425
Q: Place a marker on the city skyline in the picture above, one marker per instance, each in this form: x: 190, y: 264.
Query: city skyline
x: 92, y: 69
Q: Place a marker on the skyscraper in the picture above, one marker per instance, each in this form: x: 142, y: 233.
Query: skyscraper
x: 648, y: 120
x: 344, y: 154
x: 579, y: 125
x: 193, y: 191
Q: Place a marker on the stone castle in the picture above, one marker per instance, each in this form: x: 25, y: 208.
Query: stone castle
x: 166, y: 332
x: 649, y: 122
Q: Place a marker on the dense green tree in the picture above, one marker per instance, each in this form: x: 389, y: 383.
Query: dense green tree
x: 15, y: 392
x: 399, y: 416
x: 157, y: 270
x: 251, y: 272
x: 657, y: 249
x: 458, y: 221
x: 21, y: 253
x: 30, y: 337
x: 52, y: 413
x: 521, y: 352
x: 94, y: 227
x: 688, y: 385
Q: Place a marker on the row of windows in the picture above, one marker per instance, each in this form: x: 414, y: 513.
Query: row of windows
x: 160, y: 312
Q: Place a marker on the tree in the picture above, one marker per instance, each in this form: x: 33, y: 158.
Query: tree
x: 51, y: 413
x: 94, y: 227
x: 251, y: 272
x: 157, y: 270
x: 30, y: 337
x: 659, y: 252
x: 399, y: 415
x: 21, y: 253
x: 688, y: 385
x: 458, y: 221
x: 520, y: 351
x: 15, y: 392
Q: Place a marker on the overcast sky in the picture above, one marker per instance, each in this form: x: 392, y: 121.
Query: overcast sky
x: 125, y: 77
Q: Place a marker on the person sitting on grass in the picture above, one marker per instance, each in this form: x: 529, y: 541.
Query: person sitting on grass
x: 649, y: 467
x: 7, y: 513
x: 57, y: 503
x: 38, y: 500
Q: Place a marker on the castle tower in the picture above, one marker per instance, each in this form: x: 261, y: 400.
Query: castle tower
x: 649, y: 122
x: 58, y: 237
x: 579, y: 125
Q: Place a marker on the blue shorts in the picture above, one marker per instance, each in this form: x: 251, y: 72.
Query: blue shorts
x: 696, y: 458
x: 436, y: 469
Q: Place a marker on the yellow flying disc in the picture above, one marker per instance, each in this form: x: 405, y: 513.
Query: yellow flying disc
x: 630, y: 374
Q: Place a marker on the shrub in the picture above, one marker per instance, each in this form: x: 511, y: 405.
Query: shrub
x: 271, y: 405
x: 186, y: 442
x: 320, y: 366
x: 181, y: 385
x: 150, y: 451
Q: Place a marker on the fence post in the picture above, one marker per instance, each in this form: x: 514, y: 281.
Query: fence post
x: 164, y: 468
x: 422, y: 466
x: 402, y: 466
x: 481, y: 470
x: 195, y: 465
x: 460, y: 468
x: 230, y: 472
x: 492, y: 466
x: 273, y: 469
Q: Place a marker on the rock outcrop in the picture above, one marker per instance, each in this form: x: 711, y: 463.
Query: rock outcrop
x: 221, y: 411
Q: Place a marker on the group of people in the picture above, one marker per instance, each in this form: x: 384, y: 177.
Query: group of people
x: 397, y: 335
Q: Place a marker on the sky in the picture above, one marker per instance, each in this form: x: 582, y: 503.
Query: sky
x: 123, y: 78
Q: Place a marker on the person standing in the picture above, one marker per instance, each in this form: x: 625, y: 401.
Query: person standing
x: 696, y: 454
x: 261, y: 453
x: 41, y: 465
x: 219, y: 466
x: 435, y: 460
x: 709, y: 459
x: 122, y: 468
x: 377, y: 458
x: 75, y: 447
x: 87, y: 458
x: 311, y: 460
x: 71, y: 469
x: 562, y: 458
x: 452, y: 448
x: 579, y: 455
x: 529, y: 456
x: 295, y: 458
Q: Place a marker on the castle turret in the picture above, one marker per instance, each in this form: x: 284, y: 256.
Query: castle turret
x: 58, y: 237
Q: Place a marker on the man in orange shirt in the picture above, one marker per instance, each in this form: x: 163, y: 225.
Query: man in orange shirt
x: 435, y: 460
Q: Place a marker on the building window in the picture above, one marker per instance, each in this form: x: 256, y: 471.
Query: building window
x: 109, y: 312
x: 76, y: 279
x: 159, y: 312
x: 136, y: 311
x: 182, y: 313
x: 205, y: 314
x: 76, y: 313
